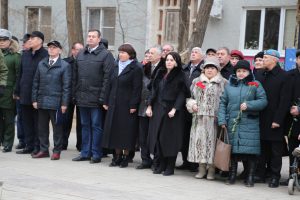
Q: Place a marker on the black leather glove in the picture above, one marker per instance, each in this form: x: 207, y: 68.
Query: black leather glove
x: 2, y: 89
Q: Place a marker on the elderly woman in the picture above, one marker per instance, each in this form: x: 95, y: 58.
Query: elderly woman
x: 240, y: 104
x: 165, y: 109
x: 203, y: 104
x: 121, y: 102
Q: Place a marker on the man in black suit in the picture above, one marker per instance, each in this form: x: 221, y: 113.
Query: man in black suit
x: 67, y: 126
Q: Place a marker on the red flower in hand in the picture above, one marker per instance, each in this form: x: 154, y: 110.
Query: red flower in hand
x: 200, y: 85
x: 253, y: 84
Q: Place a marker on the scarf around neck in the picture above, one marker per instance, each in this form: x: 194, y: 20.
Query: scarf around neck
x: 123, y: 65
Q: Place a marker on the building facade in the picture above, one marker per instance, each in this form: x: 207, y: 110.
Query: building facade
x: 248, y: 25
x: 119, y: 21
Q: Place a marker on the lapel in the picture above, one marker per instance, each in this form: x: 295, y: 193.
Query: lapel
x: 127, y: 69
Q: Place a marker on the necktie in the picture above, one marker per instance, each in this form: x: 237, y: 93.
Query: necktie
x: 191, y: 70
x: 51, y: 62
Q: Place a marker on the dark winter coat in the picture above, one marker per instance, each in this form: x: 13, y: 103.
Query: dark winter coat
x: 90, y: 76
x: 167, y: 93
x: 294, y: 77
x: 145, y: 92
x: 245, y: 138
x: 72, y: 61
x: 52, y: 84
x: 12, y: 60
x: 227, y: 70
x: 160, y: 65
x: 278, y: 91
x: 123, y: 93
x: 3, y: 70
x: 195, y: 74
x: 29, y: 63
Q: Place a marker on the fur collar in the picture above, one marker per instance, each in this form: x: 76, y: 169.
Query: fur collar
x: 173, y: 73
x: 13, y: 48
x: 217, y: 79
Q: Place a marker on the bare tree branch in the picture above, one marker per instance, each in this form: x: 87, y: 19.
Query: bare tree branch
x: 120, y: 22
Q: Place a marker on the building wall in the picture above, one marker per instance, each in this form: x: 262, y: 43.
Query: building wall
x: 132, y: 17
x: 17, y: 17
x: 226, y: 31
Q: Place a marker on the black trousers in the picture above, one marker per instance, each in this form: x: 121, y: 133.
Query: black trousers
x: 143, y: 135
x: 30, y: 127
x: 67, y: 126
x: 271, y: 158
x: 186, y: 137
x: 46, y: 115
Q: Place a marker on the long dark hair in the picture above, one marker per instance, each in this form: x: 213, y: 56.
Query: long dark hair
x: 176, y: 57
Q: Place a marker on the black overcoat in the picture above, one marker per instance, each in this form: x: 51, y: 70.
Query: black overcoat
x: 123, y: 93
x: 278, y: 91
x: 163, y: 129
x: 294, y: 77
x: 29, y: 64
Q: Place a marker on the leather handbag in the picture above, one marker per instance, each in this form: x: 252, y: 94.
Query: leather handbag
x: 223, y: 151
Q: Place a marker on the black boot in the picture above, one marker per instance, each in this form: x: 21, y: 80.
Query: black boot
x: 124, y: 162
x: 161, y: 167
x: 116, y: 161
x: 170, y: 166
x: 251, y: 171
x: 244, y: 174
x: 232, y: 172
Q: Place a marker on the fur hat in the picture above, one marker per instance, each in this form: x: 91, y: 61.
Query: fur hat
x: 259, y: 55
x: 211, y: 61
x: 242, y: 64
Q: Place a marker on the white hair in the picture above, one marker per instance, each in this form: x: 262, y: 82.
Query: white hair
x: 197, y: 49
x: 158, y: 49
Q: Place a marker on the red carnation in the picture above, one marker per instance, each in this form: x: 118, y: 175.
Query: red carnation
x: 200, y: 85
x: 253, y: 84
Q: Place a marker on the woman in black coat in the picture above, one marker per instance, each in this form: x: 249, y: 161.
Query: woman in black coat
x: 165, y: 109
x: 121, y: 102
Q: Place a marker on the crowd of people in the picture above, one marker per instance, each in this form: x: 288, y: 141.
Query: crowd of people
x: 159, y: 105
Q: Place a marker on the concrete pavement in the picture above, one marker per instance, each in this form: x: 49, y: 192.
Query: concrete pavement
x: 42, y: 179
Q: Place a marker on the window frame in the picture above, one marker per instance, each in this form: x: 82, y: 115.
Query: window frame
x: 250, y: 52
x: 39, y: 19
x: 166, y: 31
x: 101, y: 21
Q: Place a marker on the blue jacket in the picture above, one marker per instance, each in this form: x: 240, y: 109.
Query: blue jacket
x: 52, y: 85
x: 245, y: 139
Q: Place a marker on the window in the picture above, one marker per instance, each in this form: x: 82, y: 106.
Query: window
x: 39, y: 19
x: 167, y: 24
x: 268, y: 28
x: 252, y: 29
x: 103, y: 19
x: 172, y: 26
